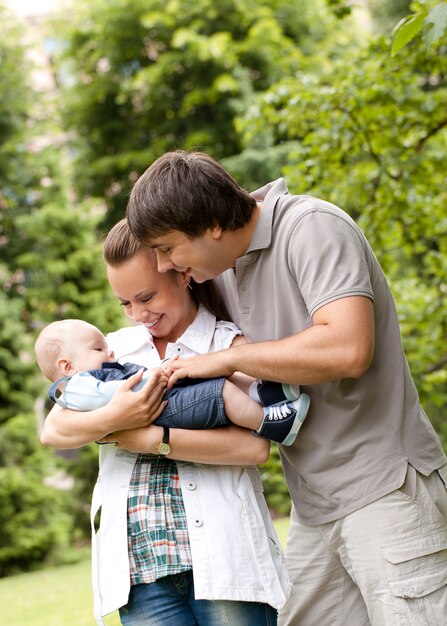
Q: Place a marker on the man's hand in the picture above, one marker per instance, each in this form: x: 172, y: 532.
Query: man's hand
x: 213, y: 365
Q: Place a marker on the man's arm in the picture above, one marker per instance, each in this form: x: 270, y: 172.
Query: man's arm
x: 65, y: 428
x: 229, y: 445
x: 339, y: 344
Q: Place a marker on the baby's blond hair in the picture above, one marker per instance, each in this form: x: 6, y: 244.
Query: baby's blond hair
x: 50, y: 343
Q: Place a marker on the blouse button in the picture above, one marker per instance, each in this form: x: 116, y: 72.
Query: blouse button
x: 192, y: 486
x: 198, y: 522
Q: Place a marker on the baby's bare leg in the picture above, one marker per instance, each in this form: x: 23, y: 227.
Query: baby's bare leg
x: 240, y: 408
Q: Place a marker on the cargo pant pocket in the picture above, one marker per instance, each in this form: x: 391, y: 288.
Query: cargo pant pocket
x: 417, y: 577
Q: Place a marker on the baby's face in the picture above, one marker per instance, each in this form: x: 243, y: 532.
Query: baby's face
x: 89, y: 349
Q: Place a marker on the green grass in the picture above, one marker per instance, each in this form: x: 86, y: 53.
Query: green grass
x: 58, y: 596
x: 61, y: 596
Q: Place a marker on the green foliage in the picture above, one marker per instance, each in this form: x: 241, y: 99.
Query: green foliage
x: 50, y: 267
x: 30, y: 172
x: 33, y: 522
x: 406, y: 30
x: 16, y: 369
x: 426, y: 18
x: 340, y: 8
x: 70, y: 279
x: 15, y: 102
x: 148, y: 77
x: 83, y: 468
x: 275, y: 486
x: 68, y: 282
x: 15, y: 97
x: 252, y: 168
x: 370, y: 136
x: 386, y: 13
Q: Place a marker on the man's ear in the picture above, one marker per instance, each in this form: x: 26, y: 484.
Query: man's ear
x: 216, y: 232
x: 65, y: 366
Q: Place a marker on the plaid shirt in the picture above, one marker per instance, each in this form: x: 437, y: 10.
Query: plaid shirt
x: 157, y: 534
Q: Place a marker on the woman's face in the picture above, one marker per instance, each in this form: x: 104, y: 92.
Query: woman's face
x: 161, y: 302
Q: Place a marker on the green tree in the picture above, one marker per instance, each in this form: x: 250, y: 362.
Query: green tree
x: 33, y: 525
x: 34, y: 522
x: 70, y: 279
x: 370, y: 136
x: 14, y: 114
x: 50, y: 267
x: 146, y: 77
x: 68, y: 282
x: 15, y: 365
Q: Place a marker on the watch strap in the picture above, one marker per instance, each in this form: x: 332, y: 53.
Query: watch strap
x: 163, y: 447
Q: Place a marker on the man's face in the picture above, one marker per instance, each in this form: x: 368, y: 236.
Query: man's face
x: 201, y: 258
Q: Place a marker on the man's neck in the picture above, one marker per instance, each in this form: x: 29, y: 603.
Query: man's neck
x: 245, y: 234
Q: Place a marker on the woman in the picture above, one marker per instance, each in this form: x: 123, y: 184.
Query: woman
x: 190, y: 544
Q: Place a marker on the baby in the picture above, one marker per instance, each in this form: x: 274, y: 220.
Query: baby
x: 74, y: 354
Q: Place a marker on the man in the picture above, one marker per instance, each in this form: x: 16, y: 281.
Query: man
x: 368, y: 537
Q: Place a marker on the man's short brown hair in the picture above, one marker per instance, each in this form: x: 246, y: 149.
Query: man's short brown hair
x: 189, y: 192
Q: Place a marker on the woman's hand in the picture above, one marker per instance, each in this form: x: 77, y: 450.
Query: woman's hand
x: 135, y: 409
x: 66, y: 429
x: 142, y: 440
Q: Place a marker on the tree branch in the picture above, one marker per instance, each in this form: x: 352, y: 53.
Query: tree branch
x: 418, y: 147
x: 437, y: 366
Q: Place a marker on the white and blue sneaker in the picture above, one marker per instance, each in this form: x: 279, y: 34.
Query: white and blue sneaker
x: 267, y: 393
x: 282, y: 421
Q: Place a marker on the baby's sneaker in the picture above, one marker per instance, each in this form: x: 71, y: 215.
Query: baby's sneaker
x: 266, y: 392
x: 282, y: 421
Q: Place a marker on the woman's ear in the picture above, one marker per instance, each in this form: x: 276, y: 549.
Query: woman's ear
x: 186, y: 279
x: 65, y: 366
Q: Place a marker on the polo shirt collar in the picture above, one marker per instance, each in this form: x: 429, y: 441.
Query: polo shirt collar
x: 268, y: 196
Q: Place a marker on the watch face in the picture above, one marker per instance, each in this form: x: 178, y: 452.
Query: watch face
x: 164, y: 448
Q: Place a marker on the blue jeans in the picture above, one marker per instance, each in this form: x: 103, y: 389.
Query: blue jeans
x: 195, y: 404
x: 170, y: 601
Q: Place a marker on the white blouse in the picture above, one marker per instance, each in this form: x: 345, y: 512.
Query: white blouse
x: 235, y: 550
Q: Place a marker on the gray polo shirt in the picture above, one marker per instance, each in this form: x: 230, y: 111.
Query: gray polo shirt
x: 359, y: 434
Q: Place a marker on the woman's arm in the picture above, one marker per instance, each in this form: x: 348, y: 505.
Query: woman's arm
x: 64, y: 428
x: 228, y: 445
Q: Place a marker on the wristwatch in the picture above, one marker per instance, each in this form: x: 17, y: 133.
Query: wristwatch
x: 163, y: 447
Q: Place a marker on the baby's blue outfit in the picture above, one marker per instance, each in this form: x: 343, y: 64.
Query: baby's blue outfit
x: 192, y: 403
